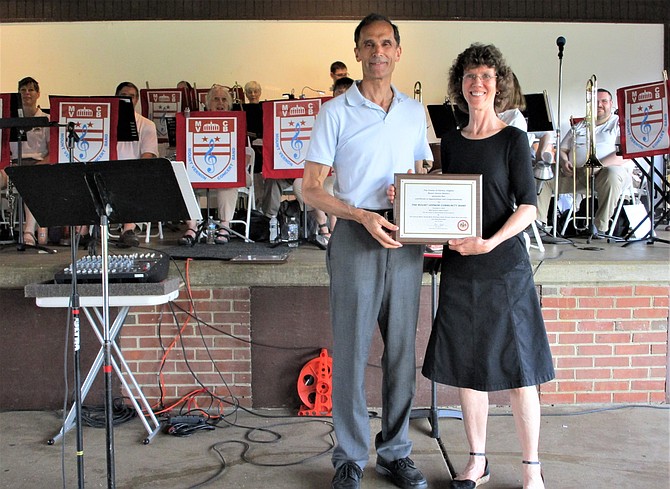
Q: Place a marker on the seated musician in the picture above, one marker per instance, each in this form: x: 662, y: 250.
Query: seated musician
x: 145, y: 147
x: 34, y: 151
x: 610, y: 180
x: 218, y: 99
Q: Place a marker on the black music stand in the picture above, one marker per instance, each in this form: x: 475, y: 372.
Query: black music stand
x: 446, y: 117
x: 664, y: 192
x: 112, y: 191
x: 18, y: 126
x: 432, y: 262
x: 538, y: 112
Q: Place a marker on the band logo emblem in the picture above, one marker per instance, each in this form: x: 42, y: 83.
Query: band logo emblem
x: 293, y: 122
x: 159, y: 105
x: 644, y: 124
x: 647, y: 113
x: 92, y: 126
x: 211, y: 149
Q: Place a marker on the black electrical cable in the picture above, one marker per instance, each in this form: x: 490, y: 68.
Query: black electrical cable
x: 94, y: 416
x: 186, y: 429
x: 246, y: 449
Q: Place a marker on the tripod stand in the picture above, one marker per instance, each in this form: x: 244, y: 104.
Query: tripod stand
x: 432, y: 263
x: 208, y: 223
x: 81, y: 194
x: 664, y: 192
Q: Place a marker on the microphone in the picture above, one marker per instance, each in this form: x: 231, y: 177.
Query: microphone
x: 71, y: 133
x: 560, y: 42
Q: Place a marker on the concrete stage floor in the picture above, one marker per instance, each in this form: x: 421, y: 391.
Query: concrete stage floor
x: 595, y: 448
x: 571, y: 261
x: 625, y: 447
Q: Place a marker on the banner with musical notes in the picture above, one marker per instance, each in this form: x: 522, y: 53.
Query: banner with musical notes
x: 160, y: 103
x: 212, y: 146
x: 201, y: 97
x: 95, y: 122
x: 287, y: 127
x: 643, y: 119
x: 5, y: 101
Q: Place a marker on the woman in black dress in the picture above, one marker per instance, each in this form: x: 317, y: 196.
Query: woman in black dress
x: 488, y: 333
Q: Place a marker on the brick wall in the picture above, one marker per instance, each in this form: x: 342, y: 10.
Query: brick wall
x: 216, y: 350
x: 609, y: 344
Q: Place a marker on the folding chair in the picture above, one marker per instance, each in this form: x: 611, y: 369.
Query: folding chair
x: 248, y: 190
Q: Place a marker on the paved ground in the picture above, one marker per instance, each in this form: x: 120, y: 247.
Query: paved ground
x: 603, y: 448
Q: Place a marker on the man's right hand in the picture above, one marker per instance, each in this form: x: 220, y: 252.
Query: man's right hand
x: 567, y: 168
x: 379, y: 228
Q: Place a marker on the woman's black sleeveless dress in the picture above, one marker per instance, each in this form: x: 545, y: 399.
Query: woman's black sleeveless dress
x: 488, y: 333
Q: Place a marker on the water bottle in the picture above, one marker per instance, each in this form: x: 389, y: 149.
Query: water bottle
x: 274, y: 231
x: 211, y: 231
x: 187, y: 112
x: 293, y: 232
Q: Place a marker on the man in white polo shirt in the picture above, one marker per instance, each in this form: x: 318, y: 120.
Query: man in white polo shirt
x: 366, y: 136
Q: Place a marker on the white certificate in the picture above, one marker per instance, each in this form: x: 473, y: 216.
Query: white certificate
x: 438, y: 207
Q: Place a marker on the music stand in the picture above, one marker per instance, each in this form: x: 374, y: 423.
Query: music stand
x: 126, y: 127
x: 663, y: 190
x: 538, y: 112
x: 446, y: 117
x: 18, y: 126
x: 109, y: 192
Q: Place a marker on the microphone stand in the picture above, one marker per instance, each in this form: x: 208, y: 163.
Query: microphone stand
x: 71, y: 139
x: 558, y: 136
x: 20, y: 244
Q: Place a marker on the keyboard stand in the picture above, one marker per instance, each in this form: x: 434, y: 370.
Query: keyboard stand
x: 137, y: 294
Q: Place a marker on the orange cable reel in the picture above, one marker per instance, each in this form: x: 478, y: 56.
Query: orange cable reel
x: 315, y: 386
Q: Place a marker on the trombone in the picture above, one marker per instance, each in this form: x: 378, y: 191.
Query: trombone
x: 418, y: 92
x: 592, y: 162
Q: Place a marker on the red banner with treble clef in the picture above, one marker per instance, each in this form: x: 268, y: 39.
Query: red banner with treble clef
x: 5, y: 100
x: 212, y: 146
x: 643, y: 119
x: 287, y: 127
x: 95, y: 122
x: 159, y: 104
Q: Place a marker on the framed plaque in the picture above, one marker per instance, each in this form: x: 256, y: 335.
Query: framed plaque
x: 438, y: 207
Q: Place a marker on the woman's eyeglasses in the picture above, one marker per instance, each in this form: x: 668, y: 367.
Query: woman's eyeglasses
x: 471, y: 77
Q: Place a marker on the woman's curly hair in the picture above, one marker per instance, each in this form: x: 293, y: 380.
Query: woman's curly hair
x: 480, y: 55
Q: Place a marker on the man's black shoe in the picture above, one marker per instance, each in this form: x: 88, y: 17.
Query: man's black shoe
x: 402, y: 472
x: 347, y: 476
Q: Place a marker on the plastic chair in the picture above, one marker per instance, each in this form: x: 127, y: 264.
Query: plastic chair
x: 148, y: 235
x: 538, y: 241
x: 628, y: 191
x: 248, y: 190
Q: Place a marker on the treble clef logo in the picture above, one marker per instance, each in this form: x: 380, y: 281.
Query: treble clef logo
x: 645, y: 127
x: 210, y: 157
x: 162, y: 124
x: 82, y: 144
x: 296, y: 144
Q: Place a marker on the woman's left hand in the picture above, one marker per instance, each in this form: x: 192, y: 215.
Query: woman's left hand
x: 469, y: 246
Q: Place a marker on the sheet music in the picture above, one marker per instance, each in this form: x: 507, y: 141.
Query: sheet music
x: 186, y: 190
